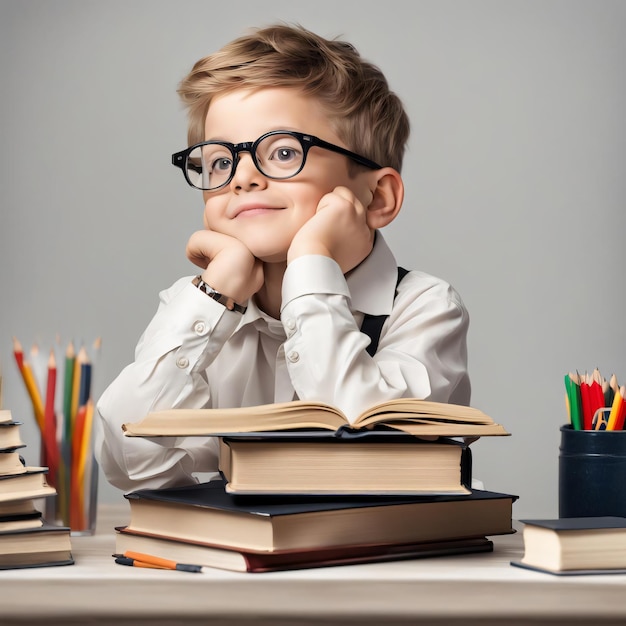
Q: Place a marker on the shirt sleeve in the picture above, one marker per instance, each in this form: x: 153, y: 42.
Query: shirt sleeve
x: 186, y: 333
x: 422, y: 351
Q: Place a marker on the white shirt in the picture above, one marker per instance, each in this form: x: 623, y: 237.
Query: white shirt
x: 196, y: 353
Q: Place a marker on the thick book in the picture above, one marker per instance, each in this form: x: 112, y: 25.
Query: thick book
x: 575, y: 545
x: 19, y: 521
x: 11, y: 463
x: 19, y: 506
x: 10, y: 436
x: 36, y: 547
x: 5, y: 416
x: 207, y: 555
x: 206, y: 513
x: 409, y: 415
x: 30, y: 484
x: 372, y: 464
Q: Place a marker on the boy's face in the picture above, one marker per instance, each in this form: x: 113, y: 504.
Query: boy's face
x: 263, y: 213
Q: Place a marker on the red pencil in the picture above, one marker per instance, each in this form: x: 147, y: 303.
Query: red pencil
x: 596, y: 395
x: 586, y: 403
x: 18, y: 353
x: 50, y: 422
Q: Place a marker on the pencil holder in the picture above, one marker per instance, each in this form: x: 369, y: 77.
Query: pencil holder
x: 74, y: 475
x: 63, y: 409
x: 592, y: 473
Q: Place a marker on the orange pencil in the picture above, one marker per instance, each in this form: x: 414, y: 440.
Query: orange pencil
x: 31, y: 385
x: 618, y: 411
x: 138, y: 559
x: 80, y: 359
x: 84, y: 449
x: 76, y: 496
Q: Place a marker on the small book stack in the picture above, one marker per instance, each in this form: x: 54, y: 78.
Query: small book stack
x: 301, y: 488
x: 26, y: 538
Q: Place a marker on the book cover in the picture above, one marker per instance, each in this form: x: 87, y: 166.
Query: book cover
x: 258, y: 561
x: 206, y: 512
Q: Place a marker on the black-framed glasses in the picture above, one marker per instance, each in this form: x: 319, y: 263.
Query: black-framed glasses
x: 279, y: 154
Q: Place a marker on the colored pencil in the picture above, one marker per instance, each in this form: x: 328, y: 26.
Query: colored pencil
x: 618, y: 411
x: 31, y: 385
x: 76, y: 385
x: 68, y: 382
x: 572, y: 386
x: 50, y: 426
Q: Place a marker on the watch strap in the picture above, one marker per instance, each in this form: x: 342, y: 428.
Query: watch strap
x: 229, y: 303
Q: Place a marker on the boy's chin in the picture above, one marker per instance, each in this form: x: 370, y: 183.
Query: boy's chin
x: 269, y: 255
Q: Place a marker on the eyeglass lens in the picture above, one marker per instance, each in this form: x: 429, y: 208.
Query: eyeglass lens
x: 277, y: 156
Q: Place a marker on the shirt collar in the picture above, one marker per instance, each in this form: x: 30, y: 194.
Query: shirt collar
x: 372, y: 283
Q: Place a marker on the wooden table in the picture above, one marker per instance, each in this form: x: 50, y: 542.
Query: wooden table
x: 470, y: 590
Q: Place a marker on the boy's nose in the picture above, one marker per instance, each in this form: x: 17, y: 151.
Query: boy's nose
x: 246, y: 173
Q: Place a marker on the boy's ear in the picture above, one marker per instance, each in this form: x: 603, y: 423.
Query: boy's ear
x: 388, y: 195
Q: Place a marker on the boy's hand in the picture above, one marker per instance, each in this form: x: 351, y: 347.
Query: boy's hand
x: 338, y: 230
x: 228, y: 266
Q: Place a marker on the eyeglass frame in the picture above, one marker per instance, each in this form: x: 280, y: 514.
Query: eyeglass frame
x: 179, y: 159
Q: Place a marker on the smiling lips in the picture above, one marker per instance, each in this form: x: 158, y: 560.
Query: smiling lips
x: 253, y: 210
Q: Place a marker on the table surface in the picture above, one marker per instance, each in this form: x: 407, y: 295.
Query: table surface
x: 469, y: 589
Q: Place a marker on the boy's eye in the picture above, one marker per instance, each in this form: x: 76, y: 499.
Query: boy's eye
x: 278, y: 155
x: 284, y: 154
x: 221, y: 165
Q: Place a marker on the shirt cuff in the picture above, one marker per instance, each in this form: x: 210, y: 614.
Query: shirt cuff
x: 313, y: 274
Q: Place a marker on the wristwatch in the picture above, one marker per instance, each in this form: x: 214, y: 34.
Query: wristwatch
x: 229, y: 303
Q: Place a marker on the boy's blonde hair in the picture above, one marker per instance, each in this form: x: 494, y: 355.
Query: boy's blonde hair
x: 363, y: 111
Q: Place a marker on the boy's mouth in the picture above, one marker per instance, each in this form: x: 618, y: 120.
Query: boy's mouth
x: 251, y: 210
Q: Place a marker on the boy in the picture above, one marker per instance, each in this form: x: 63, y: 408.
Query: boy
x: 301, y: 148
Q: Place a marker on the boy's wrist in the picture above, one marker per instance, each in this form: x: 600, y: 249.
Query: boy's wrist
x: 224, y: 300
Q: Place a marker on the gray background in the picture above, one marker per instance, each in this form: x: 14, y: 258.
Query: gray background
x: 514, y: 185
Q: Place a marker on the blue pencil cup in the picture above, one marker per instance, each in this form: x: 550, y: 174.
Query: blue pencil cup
x: 592, y: 473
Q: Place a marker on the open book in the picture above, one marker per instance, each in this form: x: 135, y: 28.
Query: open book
x: 410, y: 415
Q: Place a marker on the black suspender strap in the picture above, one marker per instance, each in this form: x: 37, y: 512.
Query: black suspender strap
x: 373, y: 324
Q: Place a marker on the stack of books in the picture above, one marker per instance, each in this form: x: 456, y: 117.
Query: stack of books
x: 303, y: 488
x: 26, y: 538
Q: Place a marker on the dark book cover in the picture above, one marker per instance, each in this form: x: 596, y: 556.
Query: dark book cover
x: 579, y: 523
x: 30, y: 561
x: 569, y: 572
x: 213, y: 495
x: 46, y: 528
x: 29, y: 472
x: 16, y: 517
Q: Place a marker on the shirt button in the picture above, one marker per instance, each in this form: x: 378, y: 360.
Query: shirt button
x: 294, y: 357
x: 290, y: 323
x: 182, y: 362
x: 199, y: 328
